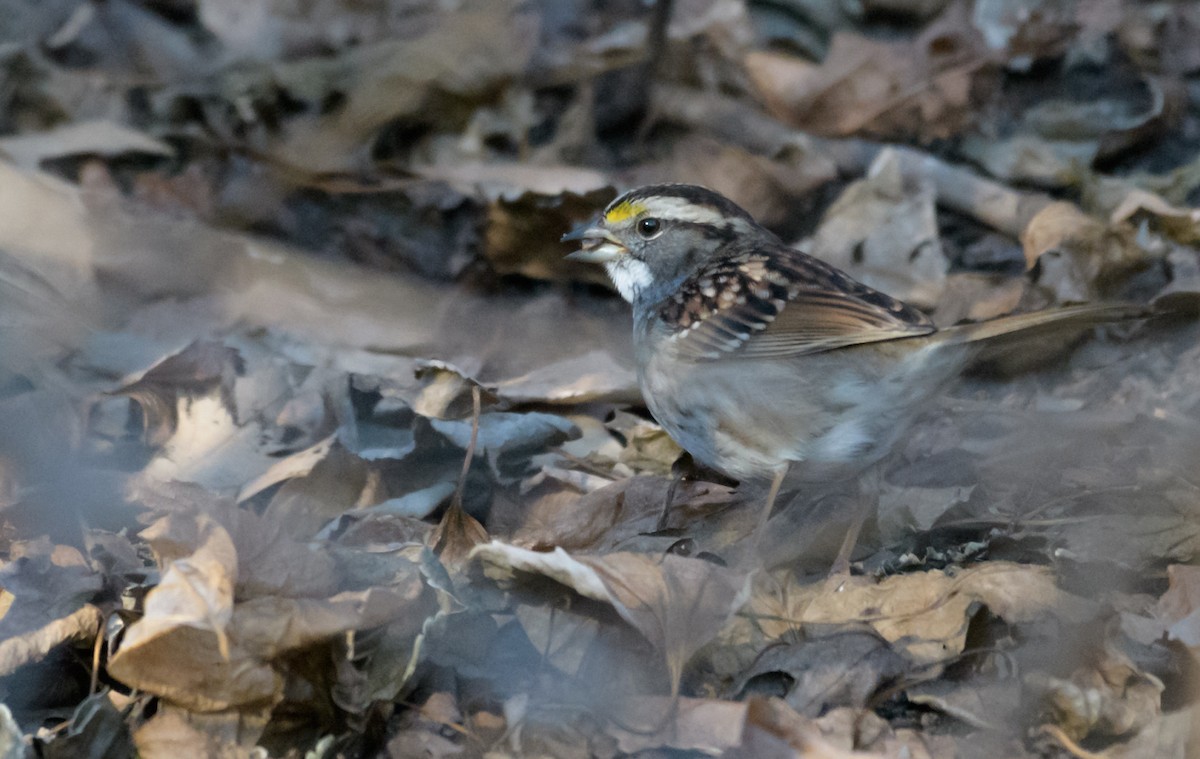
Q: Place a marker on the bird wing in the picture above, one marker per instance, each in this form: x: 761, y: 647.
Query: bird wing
x: 779, y: 302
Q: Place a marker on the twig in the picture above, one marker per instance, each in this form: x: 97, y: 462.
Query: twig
x: 458, y: 531
x: 656, y: 46
x: 94, y: 684
x: 476, y: 405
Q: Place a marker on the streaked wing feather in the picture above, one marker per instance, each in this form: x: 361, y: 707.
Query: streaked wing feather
x: 821, y: 321
x: 781, y: 303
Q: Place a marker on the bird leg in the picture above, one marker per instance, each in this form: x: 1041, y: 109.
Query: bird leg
x: 761, y: 528
x: 685, y: 468
x: 865, y: 502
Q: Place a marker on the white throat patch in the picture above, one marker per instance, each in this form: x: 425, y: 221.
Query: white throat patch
x: 630, y: 275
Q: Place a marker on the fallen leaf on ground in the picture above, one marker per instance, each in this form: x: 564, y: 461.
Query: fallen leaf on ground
x: 686, y: 724
x: 678, y: 604
x: 883, y: 231
x: 925, y: 615
x: 823, y: 671
x: 1076, y: 254
x: 921, y: 88
x: 45, y: 600
x: 104, y: 138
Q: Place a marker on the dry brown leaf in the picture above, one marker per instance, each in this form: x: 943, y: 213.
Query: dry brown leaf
x: 1077, y: 255
x: 422, y: 742
x: 1179, y: 607
x: 1029, y: 159
x: 883, y: 231
x: 1136, y: 539
x: 826, y: 669
x: 457, y: 534
x: 593, y: 376
x: 104, y: 138
x: 180, y: 648
x: 677, y: 603
x: 685, y: 724
x: 1161, y: 38
x: 299, y: 464
x: 197, y: 370
x: 606, y: 518
x: 174, y: 732
x: 43, y: 224
x: 1172, y: 735
x: 1106, y: 697
x: 196, y: 647
x: 32, y: 645
x: 563, y: 636
x: 925, y: 615
x: 45, y: 592
x: 270, y: 626
x: 920, y: 89
x: 271, y: 562
x: 516, y: 238
x: 977, y: 297
x: 169, y: 735
x: 443, y: 391
x: 336, y: 484
x: 769, y: 188
x: 771, y: 720
x: 1180, y: 224
x: 987, y: 706
x: 647, y: 449
x: 465, y: 54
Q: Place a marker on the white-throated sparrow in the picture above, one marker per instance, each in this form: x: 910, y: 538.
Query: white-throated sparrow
x: 759, y: 359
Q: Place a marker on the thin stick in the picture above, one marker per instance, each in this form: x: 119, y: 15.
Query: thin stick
x: 94, y: 685
x: 656, y: 44
x: 458, y: 531
x: 476, y: 406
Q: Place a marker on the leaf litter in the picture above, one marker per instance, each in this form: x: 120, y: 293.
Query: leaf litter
x: 313, y: 444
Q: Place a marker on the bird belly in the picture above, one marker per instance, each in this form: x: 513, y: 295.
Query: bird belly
x: 745, y: 425
x: 827, y: 416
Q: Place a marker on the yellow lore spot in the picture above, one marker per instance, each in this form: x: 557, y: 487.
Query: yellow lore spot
x: 623, y: 212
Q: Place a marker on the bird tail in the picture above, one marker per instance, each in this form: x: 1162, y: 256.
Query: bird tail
x: 1049, y: 321
x: 1010, y: 343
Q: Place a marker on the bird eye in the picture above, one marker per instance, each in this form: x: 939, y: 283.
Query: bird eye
x: 649, y: 227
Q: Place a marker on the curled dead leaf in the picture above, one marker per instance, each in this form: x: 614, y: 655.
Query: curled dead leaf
x: 1077, y: 255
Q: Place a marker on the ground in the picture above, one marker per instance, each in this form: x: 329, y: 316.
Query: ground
x: 313, y: 443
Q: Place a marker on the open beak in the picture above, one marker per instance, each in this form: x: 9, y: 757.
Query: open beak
x: 597, y: 245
